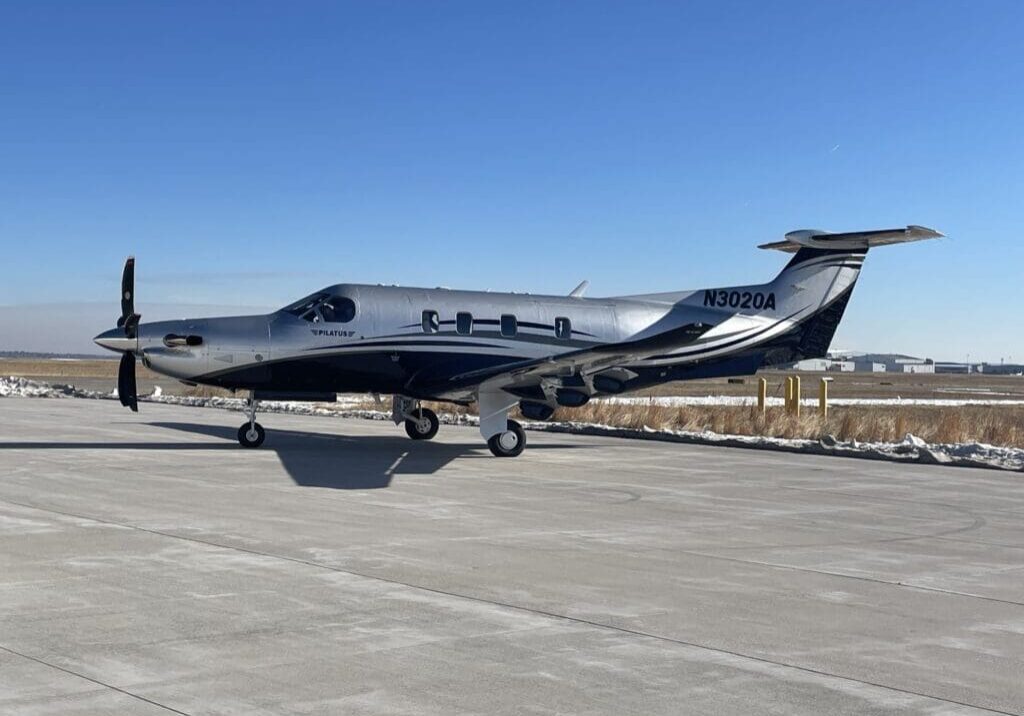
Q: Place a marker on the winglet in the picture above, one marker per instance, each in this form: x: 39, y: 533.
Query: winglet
x: 579, y: 290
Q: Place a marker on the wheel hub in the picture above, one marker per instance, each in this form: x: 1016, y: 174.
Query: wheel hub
x: 508, y: 440
x: 251, y: 435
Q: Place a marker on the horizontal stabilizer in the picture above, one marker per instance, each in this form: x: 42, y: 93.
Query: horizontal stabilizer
x: 817, y: 239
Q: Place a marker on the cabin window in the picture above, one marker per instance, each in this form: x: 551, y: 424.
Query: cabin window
x: 563, y: 328
x: 464, y: 323
x: 431, y: 323
x: 338, y: 310
x: 509, y: 325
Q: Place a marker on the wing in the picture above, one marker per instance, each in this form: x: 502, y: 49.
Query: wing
x: 582, y: 362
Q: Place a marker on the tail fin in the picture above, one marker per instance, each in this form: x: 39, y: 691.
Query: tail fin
x: 815, y: 286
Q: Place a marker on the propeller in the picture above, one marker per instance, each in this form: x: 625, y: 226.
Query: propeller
x: 126, y: 390
x: 129, y: 321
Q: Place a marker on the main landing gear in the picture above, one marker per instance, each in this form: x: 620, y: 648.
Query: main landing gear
x: 504, y: 437
x: 510, y: 443
x: 420, y: 423
x: 251, y: 434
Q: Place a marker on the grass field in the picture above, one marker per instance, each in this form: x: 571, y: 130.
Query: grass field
x: 995, y: 424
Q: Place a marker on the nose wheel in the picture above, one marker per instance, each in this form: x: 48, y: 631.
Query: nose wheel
x: 251, y: 434
x: 510, y: 443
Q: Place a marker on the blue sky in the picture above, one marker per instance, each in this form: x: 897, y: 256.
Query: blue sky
x: 251, y: 152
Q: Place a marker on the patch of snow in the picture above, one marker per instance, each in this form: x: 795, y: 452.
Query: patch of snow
x: 913, y: 441
x: 676, y: 401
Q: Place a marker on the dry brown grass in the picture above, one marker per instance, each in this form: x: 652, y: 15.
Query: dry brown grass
x: 996, y: 425
x: 989, y: 424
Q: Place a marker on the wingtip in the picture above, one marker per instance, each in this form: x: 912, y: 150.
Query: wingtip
x: 925, y: 233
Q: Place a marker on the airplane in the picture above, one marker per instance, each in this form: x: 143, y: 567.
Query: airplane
x: 501, y: 350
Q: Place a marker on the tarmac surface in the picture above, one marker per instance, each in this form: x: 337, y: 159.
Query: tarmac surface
x: 149, y: 565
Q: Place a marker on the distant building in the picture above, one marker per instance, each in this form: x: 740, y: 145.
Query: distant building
x: 867, y: 366
x: 814, y: 365
x: 868, y: 363
x: 841, y: 366
x: 958, y: 368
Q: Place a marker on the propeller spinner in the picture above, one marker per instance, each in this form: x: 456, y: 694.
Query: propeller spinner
x: 125, y: 339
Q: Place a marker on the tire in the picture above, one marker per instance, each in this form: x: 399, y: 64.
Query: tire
x: 510, y: 443
x: 425, y: 428
x: 251, y: 441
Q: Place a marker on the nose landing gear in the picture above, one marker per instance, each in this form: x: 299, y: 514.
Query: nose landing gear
x: 251, y: 434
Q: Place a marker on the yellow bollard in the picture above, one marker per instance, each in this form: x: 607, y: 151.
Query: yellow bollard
x: 762, y: 395
x: 788, y: 394
x: 796, y: 395
x: 823, y: 397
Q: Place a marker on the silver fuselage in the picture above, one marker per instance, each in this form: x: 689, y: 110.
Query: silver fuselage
x: 389, y: 345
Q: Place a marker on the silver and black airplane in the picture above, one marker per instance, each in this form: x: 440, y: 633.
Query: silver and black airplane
x: 501, y: 349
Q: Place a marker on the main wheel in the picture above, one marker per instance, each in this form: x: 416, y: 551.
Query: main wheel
x: 510, y: 443
x: 251, y: 437
x: 423, y: 428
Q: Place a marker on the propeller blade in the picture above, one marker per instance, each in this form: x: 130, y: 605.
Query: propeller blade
x: 126, y: 390
x: 127, y: 291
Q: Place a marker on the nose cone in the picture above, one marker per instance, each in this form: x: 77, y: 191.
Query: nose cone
x: 116, y: 340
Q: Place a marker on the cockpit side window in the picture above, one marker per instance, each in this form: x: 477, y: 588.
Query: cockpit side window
x: 338, y: 309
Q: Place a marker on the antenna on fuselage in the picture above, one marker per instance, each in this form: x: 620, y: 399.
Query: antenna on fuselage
x: 579, y: 290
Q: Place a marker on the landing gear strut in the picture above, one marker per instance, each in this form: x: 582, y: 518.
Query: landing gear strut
x: 251, y: 434
x: 504, y: 437
x: 420, y: 423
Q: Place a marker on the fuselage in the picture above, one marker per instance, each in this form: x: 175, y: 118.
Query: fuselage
x: 387, y: 339
x: 442, y: 344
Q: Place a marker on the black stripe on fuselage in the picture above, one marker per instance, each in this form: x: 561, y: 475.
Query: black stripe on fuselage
x: 806, y: 255
x: 461, y: 339
x: 374, y: 342
x: 711, y: 348
x: 495, y: 322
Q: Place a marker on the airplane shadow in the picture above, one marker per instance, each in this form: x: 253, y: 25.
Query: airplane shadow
x: 333, y: 461
x: 347, y: 462
x: 343, y: 462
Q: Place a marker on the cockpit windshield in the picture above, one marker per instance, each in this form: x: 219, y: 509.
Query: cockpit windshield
x: 304, y: 304
x: 323, y: 308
